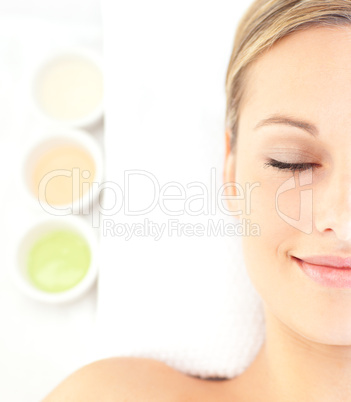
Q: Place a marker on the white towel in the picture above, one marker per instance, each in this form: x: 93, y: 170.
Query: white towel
x: 184, y: 300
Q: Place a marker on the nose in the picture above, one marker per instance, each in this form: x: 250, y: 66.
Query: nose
x: 333, y: 204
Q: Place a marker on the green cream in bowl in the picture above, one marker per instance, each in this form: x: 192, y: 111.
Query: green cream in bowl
x: 56, y: 259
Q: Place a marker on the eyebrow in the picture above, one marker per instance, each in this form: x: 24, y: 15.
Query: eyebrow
x: 290, y: 121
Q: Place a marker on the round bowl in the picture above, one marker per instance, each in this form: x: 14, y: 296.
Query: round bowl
x: 67, y: 87
x: 37, y: 232
x: 53, y: 174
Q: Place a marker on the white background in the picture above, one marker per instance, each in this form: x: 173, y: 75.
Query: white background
x: 185, y: 300
x: 41, y: 344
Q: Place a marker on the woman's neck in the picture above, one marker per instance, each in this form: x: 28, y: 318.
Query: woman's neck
x: 290, y: 367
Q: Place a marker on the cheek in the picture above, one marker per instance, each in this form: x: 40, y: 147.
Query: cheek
x: 265, y: 255
x: 274, y: 204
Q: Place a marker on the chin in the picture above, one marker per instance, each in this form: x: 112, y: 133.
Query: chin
x: 324, y: 327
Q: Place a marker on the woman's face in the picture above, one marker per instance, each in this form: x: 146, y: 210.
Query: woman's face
x: 306, y: 77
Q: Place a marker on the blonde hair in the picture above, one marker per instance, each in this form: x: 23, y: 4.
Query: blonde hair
x: 263, y: 24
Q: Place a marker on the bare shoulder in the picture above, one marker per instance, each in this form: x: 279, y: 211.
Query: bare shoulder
x: 128, y: 379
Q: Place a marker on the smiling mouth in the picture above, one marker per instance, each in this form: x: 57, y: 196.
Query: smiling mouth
x: 329, y: 276
x: 331, y: 261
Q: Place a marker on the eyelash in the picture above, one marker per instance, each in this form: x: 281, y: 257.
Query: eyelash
x: 290, y: 166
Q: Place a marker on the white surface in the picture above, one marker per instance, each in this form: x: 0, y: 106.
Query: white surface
x: 85, y: 11
x: 39, y: 344
x: 184, y: 300
x: 164, y: 77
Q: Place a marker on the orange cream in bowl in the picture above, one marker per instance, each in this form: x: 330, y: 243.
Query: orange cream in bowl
x: 60, y: 168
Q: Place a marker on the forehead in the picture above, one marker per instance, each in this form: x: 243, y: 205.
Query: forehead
x: 307, y: 73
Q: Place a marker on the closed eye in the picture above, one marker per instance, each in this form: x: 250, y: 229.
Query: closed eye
x: 290, y: 166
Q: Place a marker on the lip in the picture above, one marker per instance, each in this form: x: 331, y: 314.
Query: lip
x: 327, y: 270
x: 329, y: 261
